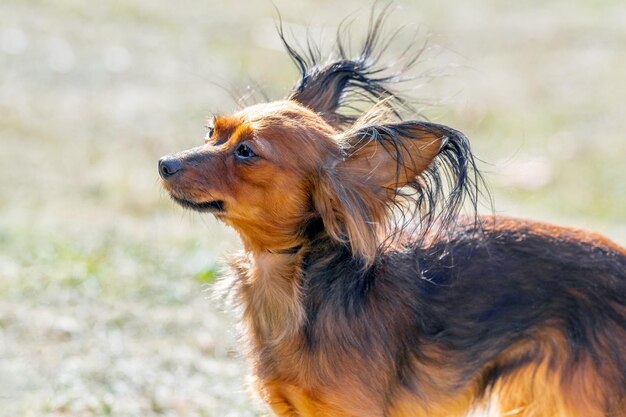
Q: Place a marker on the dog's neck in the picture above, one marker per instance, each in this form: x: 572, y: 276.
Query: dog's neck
x: 288, y: 251
x: 269, y: 286
x: 269, y: 290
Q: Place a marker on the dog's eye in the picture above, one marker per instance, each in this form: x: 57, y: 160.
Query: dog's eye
x: 244, y: 152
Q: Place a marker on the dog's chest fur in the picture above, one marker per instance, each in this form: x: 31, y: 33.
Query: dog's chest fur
x: 305, y: 354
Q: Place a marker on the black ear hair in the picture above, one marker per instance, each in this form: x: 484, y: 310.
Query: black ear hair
x: 335, y: 89
x: 421, y: 171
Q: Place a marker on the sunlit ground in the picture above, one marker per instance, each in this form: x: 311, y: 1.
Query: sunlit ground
x: 103, y: 308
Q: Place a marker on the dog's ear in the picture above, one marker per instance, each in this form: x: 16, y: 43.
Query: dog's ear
x: 336, y: 88
x: 355, y: 196
x: 389, y: 156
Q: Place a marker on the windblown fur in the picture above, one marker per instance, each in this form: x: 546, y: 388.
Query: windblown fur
x: 362, y: 289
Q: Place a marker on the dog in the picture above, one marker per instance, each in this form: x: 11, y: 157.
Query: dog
x: 364, y: 291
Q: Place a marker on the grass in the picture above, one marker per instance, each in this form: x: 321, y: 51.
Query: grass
x: 104, y: 308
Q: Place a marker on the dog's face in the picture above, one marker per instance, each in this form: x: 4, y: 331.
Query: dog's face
x: 255, y: 171
x: 269, y: 169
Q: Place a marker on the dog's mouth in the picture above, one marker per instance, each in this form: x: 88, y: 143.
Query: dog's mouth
x: 215, y: 206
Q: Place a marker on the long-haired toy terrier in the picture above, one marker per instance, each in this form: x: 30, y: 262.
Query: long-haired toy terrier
x: 364, y: 292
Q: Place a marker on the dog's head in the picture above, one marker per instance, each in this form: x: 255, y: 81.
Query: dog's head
x: 270, y: 169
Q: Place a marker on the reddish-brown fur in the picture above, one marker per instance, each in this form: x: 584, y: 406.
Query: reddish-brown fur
x: 348, y: 314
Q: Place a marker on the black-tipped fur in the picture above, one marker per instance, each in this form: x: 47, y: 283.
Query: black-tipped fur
x: 341, y: 90
x: 435, y: 196
x: 337, y: 89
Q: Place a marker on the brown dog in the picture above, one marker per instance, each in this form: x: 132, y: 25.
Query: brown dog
x: 364, y: 293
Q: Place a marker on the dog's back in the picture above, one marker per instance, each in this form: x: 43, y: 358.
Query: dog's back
x: 531, y: 314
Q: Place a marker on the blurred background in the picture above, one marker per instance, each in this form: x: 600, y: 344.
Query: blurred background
x: 105, y: 284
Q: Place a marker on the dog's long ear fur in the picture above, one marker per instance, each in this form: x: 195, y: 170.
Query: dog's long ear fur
x: 393, y: 171
x: 334, y: 89
x: 416, y: 169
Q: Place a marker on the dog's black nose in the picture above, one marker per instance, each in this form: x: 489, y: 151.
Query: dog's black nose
x: 169, y: 166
